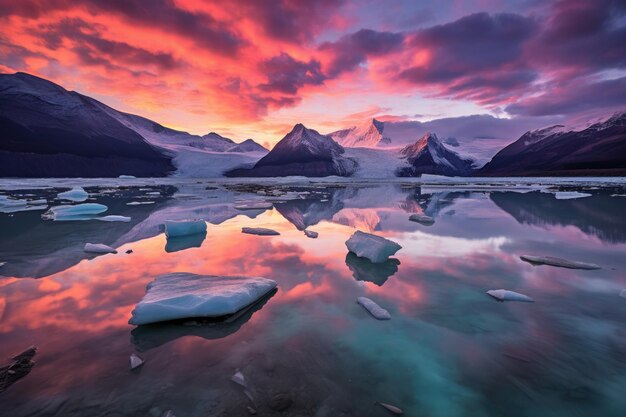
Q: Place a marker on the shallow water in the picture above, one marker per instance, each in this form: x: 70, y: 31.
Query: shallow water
x: 449, y: 349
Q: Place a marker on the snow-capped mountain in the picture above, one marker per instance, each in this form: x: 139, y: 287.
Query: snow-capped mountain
x: 301, y: 152
x: 367, y: 135
x: 248, y: 145
x: 599, y: 149
x: 429, y: 156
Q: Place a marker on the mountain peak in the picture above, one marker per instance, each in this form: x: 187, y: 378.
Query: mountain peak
x: 366, y: 135
x: 429, y: 156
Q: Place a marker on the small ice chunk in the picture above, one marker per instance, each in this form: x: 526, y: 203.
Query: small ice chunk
x: 311, y: 234
x: 506, y: 295
x: 623, y: 294
x: 98, y: 248
x: 113, y: 218
x: 618, y: 195
x: 391, y: 408
x: 254, y: 205
x: 74, y: 212
x: 559, y: 262
x: 239, y: 379
x: 422, y: 218
x: 184, y: 227
x: 138, y: 203
x: 375, y: 248
x: 568, y: 195
x: 126, y: 177
x: 181, y: 295
x: 374, y: 309
x: 261, y: 231
x: 75, y: 194
x: 135, y: 361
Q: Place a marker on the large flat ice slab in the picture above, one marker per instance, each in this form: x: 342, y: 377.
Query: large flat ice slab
x: 184, y: 228
x: 375, y: 248
x: 181, y: 295
x: 74, y: 212
x: 559, y: 262
x: 506, y: 295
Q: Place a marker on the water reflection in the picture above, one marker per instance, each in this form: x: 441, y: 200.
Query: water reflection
x: 364, y: 270
x: 175, y: 244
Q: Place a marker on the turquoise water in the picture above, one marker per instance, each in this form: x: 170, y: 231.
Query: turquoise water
x: 449, y: 349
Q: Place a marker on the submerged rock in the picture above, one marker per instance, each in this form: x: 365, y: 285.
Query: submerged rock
x: 135, y: 361
x: 391, y: 408
x: 311, y: 234
x: 261, y: 231
x: 422, y: 219
x: 19, y: 366
x: 184, y: 227
x: 559, y: 262
x: 183, y: 295
x: 98, y: 248
x: 280, y: 402
x: 75, y: 194
x: 506, y: 295
x: 374, y: 309
x: 84, y: 211
x: 375, y: 248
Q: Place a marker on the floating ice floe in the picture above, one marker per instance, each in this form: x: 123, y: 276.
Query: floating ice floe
x: 12, y: 205
x: 261, y: 231
x: 506, y: 295
x: 623, y: 294
x: 138, y: 203
x: 239, y: 379
x: 181, y: 295
x: 311, y: 234
x: 135, y: 361
x: 618, y: 195
x: 559, y: 262
x: 85, y: 211
x: 422, y: 218
x: 391, y: 408
x: 254, y: 205
x: 374, y: 309
x: 75, y: 194
x: 176, y: 228
x: 568, y: 195
x: 114, y: 218
x: 127, y: 177
x: 98, y: 248
x: 375, y: 248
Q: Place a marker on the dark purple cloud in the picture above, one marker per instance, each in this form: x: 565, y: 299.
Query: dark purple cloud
x: 287, y: 75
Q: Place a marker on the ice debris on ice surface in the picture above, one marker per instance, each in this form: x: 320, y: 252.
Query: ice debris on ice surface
x: 176, y: 228
x: 127, y: 177
x: 559, y: 262
x: 375, y: 248
x: 506, y: 295
x: 239, y: 379
x: 75, y: 194
x: 311, y: 234
x: 113, y: 218
x: 568, y: 195
x: 374, y: 309
x: 261, y: 231
x: 391, y: 408
x: 422, y: 218
x: 135, y: 361
x: 181, y: 295
x: 12, y: 205
x: 98, y: 248
x: 254, y: 205
x: 84, y: 211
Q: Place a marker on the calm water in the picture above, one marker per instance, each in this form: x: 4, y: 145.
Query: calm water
x: 449, y: 349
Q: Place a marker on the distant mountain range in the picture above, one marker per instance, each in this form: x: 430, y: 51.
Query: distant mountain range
x: 47, y: 131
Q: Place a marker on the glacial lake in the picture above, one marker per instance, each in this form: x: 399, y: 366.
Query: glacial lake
x: 309, y: 349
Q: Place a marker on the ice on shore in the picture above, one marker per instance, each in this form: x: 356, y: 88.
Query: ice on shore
x: 311, y: 234
x: 374, y: 309
x: 558, y: 262
x: 74, y: 212
x: 261, y: 231
x: 375, y: 248
x: 422, y: 219
x: 506, y: 295
x: 568, y: 195
x: 181, y: 295
x: 75, y: 194
x: 175, y: 228
x: 98, y: 248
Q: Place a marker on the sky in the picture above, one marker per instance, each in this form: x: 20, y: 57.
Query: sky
x: 254, y: 68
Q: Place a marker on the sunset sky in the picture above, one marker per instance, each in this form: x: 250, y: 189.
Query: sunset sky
x: 253, y: 68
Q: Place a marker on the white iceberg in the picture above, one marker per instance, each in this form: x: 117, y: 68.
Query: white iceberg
x: 568, y: 195
x: 375, y: 248
x: 374, y: 309
x: 114, y: 218
x: 181, y: 295
x: 76, y: 212
x: 98, y: 248
x: 559, y: 262
x: 175, y: 228
x: 506, y: 295
x: 311, y: 234
x: 75, y: 194
x: 422, y: 218
x: 261, y: 231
